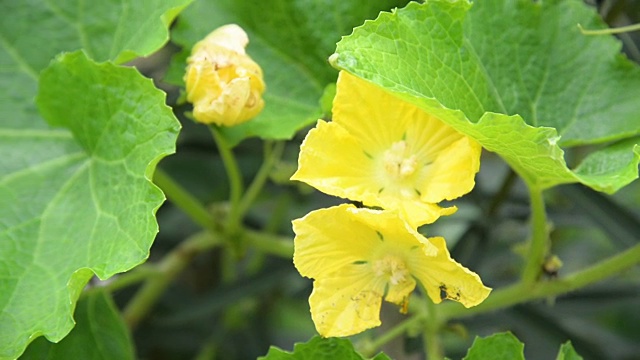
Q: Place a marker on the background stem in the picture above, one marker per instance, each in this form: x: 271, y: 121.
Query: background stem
x: 236, y: 184
x: 523, y: 292
x: 539, y: 244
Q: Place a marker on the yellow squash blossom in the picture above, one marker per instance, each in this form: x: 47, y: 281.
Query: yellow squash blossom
x: 387, y: 153
x: 224, y: 84
x: 357, y: 256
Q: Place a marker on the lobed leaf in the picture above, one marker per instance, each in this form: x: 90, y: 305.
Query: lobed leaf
x: 77, y: 202
x: 521, y: 84
x: 501, y: 346
x: 291, y: 40
x: 567, y: 352
x: 319, y: 348
x: 117, y: 30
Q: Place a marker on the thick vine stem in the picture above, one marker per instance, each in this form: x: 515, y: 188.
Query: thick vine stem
x: 523, y: 292
x: 539, y: 244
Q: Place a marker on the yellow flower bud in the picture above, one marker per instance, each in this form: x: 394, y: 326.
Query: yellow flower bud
x: 224, y: 84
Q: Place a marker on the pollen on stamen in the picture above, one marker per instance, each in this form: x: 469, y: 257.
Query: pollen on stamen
x: 397, y: 162
x: 393, y: 268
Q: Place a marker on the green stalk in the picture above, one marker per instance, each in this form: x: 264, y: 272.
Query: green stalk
x: 611, y: 31
x: 139, y: 274
x: 539, y: 243
x: 183, y: 200
x: 169, y: 267
x: 272, y: 153
x: 370, y: 348
x: 235, y: 180
x: 524, y: 292
x: 431, y: 340
x: 268, y: 243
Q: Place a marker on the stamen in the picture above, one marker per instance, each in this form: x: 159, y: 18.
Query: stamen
x: 397, y: 162
x: 393, y: 268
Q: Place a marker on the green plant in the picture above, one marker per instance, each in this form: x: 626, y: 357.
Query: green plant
x: 84, y: 136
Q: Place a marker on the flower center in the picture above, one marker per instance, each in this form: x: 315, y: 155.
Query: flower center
x: 393, y: 268
x: 397, y: 162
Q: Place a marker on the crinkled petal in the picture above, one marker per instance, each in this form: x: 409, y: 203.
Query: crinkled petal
x: 415, y: 211
x: 369, y: 113
x: 347, y: 302
x: 329, y: 239
x: 334, y: 162
x: 453, y: 172
x: 444, y: 278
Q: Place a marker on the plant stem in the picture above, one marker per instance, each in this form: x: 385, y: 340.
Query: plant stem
x: 618, y: 30
x: 235, y: 180
x: 169, y: 267
x: 372, y: 347
x: 139, y: 274
x: 272, y: 153
x: 431, y: 341
x: 271, y: 244
x: 183, y: 200
x: 522, y: 292
x: 539, y: 243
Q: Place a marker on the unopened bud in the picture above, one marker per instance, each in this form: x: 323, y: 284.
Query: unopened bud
x: 224, y: 84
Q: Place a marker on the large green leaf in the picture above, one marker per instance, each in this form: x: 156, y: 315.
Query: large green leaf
x: 33, y: 32
x: 291, y: 40
x: 516, y: 75
x: 100, y: 333
x: 59, y: 194
x: 77, y: 202
x: 319, y: 348
x: 501, y: 346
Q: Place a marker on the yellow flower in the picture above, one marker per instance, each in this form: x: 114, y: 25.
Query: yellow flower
x: 224, y: 84
x: 387, y: 153
x: 357, y: 256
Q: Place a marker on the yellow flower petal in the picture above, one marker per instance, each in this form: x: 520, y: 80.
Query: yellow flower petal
x: 332, y: 161
x: 347, y: 302
x: 224, y: 84
x: 444, y: 278
x: 452, y: 173
x: 327, y: 240
x: 387, y: 153
x: 357, y: 256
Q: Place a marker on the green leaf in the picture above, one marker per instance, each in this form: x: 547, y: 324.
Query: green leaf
x: 319, y: 348
x: 567, y: 352
x: 496, y: 347
x: 78, y: 201
x: 99, y: 334
x: 116, y: 30
x: 522, y: 84
x: 291, y: 40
